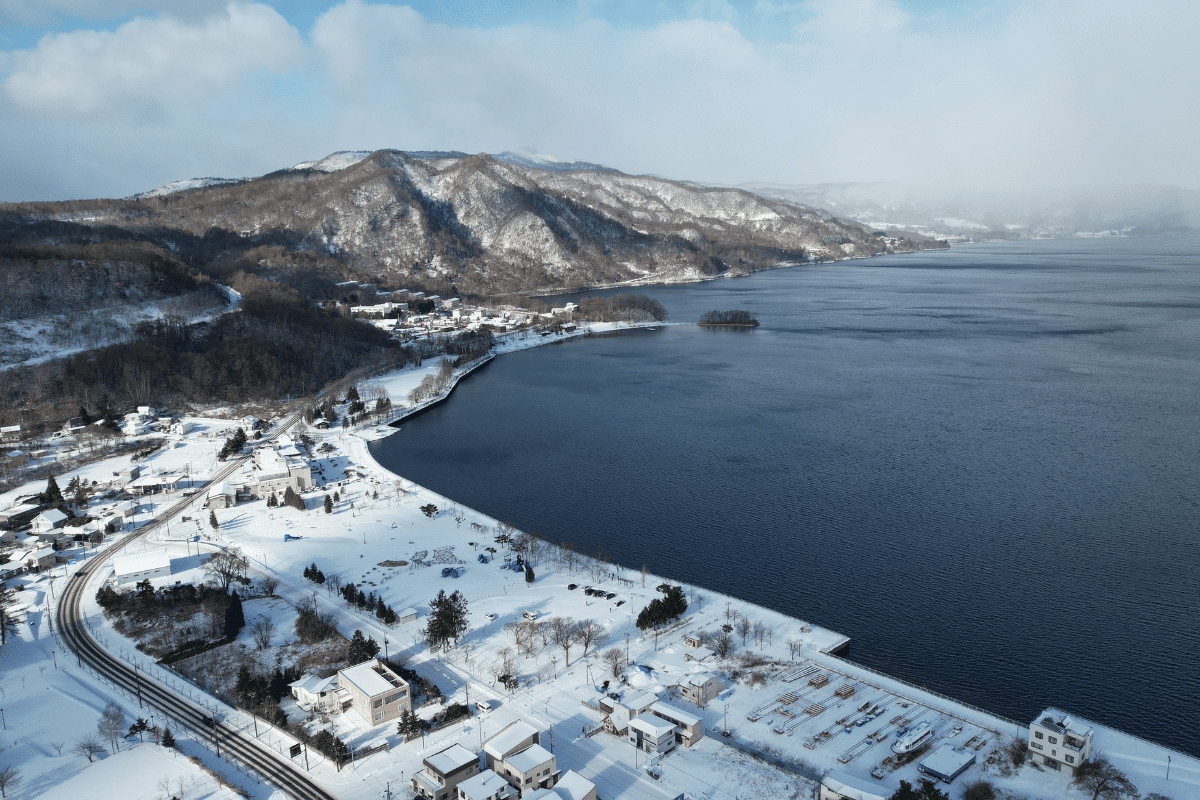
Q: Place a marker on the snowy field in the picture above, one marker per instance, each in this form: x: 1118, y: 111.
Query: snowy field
x: 800, y: 706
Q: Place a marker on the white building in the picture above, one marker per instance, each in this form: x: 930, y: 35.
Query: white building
x: 443, y: 772
x: 141, y: 566
x: 275, y: 469
x: 1059, y: 742
x: 652, y: 734
x: 487, y: 785
x: 312, y: 692
x: 377, y: 694
x: 840, y: 786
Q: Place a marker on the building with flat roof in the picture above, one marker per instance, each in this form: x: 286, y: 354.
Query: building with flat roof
x: 275, y: 469
x: 443, y: 772
x: 840, y: 786
x: 946, y: 763
x: 1058, y: 741
x: 571, y: 786
x: 376, y: 693
x: 531, y: 768
x: 138, y: 567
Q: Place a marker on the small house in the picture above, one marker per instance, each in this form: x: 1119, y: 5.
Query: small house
x: 129, y: 474
x: 571, y: 786
x: 221, y: 495
x: 513, y: 738
x: 532, y: 768
x: 487, y: 785
x: 444, y: 771
x: 39, y: 559
x: 312, y: 692
x: 700, y: 687
x: 10, y: 433
x: 49, y: 520
x: 689, y: 729
x: 652, y: 734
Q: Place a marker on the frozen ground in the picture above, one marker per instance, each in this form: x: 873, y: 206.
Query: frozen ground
x: 377, y: 536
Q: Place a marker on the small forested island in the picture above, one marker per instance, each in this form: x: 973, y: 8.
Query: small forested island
x: 729, y: 319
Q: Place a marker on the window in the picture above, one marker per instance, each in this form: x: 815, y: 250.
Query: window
x: 1037, y: 746
x: 1070, y: 759
x: 1037, y: 734
x: 379, y: 716
x: 378, y: 703
x: 1053, y: 740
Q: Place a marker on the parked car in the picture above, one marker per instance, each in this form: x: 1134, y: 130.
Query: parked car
x: 571, y: 586
x: 490, y: 617
x: 483, y: 706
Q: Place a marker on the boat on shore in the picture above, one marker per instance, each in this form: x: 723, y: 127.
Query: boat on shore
x: 919, y: 736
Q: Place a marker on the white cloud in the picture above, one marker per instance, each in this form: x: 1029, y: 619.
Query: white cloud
x: 150, y: 63
x: 1071, y: 92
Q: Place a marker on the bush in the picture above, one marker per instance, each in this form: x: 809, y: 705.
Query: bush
x: 979, y: 790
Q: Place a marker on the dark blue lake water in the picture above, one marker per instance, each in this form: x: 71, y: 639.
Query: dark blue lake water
x: 979, y: 464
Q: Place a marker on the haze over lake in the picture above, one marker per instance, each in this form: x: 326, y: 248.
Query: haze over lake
x: 979, y: 464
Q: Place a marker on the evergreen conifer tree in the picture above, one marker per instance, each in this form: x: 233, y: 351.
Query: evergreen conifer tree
x: 212, y: 520
x: 235, y: 619
x: 168, y: 738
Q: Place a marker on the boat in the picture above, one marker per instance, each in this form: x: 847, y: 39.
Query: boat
x: 918, y: 736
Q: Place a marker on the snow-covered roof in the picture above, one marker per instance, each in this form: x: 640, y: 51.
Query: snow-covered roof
x: 51, y: 515
x: 366, y: 679
x: 485, y: 784
x: 573, y: 786
x: 652, y: 725
x: 509, y: 738
x: 671, y: 712
x: 528, y: 759
x: 856, y: 788
x: 1056, y: 719
x: 141, y: 562
x: 453, y: 757
x: 314, y: 684
x: 946, y: 763
x: 221, y: 489
x: 640, y: 700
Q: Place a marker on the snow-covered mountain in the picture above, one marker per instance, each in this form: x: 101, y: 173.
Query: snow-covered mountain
x: 512, y: 223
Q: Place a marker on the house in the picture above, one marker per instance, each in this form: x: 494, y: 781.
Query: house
x: 11, y: 569
x: 221, y: 495
x: 316, y: 693
x: 689, y: 728
x: 700, y: 687
x: 15, y: 458
x: 18, y: 515
x: 274, y: 470
x: 182, y: 427
x: 49, y: 520
x: 406, y: 615
x: 840, y: 786
x: 10, y: 433
x: 141, y: 566
x: 652, y: 734
x: 443, y: 771
x: 1059, y: 742
x: 376, y: 693
x: 128, y: 474
x: 513, y: 738
x: 571, y: 786
x: 39, y: 559
x: 487, y: 785
x: 154, y: 484
x: 531, y: 768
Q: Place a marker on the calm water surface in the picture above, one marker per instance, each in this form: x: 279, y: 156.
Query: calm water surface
x: 979, y: 464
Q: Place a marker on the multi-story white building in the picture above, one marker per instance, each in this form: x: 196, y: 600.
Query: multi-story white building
x: 276, y: 469
x: 444, y: 771
x: 1058, y: 742
x: 376, y: 693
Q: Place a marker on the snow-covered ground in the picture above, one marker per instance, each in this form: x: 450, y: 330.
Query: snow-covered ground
x: 377, y: 536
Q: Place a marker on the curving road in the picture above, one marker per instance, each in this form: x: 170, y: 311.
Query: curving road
x: 187, y: 715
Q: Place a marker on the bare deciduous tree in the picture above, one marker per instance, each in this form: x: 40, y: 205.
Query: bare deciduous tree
x: 225, y: 566
x: 261, y: 630
x: 111, y: 724
x: 10, y: 778
x: 88, y: 747
x: 564, y: 631
x: 591, y: 633
x: 615, y: 660
x: 743, y: 626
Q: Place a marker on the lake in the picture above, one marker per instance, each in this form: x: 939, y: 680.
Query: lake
x: 980, y: 464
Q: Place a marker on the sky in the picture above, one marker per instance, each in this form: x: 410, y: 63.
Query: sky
x: 105, y: 98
